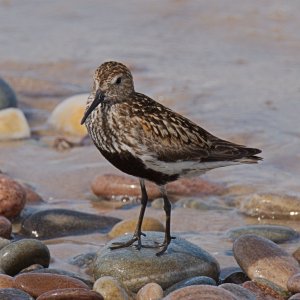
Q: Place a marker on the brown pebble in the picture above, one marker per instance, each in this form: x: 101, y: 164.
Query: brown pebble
x: 151, y: 291
x: 126, y: 226
x: 6, y: 281
x: 194, y: 186
x: 201, y: 292
x: 296, y: 255
x: 5, y: 228
x: 70, y: 294
x: 31, y: 196
x: 36, y: 284
x: 12, y: 197
x: 260, y: 257
x: 112, y: 185
x: 260, y: 293
x: 293, y: 283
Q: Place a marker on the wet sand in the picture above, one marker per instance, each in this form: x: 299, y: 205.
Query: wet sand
x: 231, y: 67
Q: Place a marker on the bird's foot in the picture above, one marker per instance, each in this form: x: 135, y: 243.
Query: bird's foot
x: 164, y: 245
x: 135, y: 237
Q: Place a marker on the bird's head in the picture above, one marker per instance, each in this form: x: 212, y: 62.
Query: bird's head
x: 112, y: 83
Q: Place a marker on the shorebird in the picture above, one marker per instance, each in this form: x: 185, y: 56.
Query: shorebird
x: 143, y: 138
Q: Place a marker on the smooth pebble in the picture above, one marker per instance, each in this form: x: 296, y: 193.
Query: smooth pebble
x: 70, y: 294
x: 21, y: 254
x: 182, y: 260
x: 81, y: 277
x: 13, y: 124
x: 110, y: 288
x: 198, y: 280
x: 275, y: 233
x: 260, y: 257
x: 128, y: 226
x: 293, y: 283
x: 271, y: 206
x: 296, y: 254
x: 53, y: 223
x: 12, y: 197
x: 151, y: 291
x: 260, y: 292
x: 5, y: 228
x: 201, y: 292
x: 295, y: 297
x: 238, y: 291
x: 7, y: 95
x: 6, y: 281
x: 67, y: 115
x: 109, y: 185
x: 233, y: 275
x: 36, y: 284
x: 14, y: 294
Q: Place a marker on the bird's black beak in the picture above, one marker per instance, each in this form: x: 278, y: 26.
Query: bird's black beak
x: 98, y: 99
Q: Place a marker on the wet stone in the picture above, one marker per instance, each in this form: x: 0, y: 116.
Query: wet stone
x: 293, y: 283
x: 5, y: 227
x: 67, y: 115
x: 6, y: 281
x: 233, y: 275
x: 138, y: 267
x: 13, y: 124
x: 151, y: 291
x: 7, y: 95
x: 53, y: 223
x: 84, y: 260
x: 209, y: 203
x: 271, y: 206
x: 238, y: 291
x: 128, y: 226
x: 110, y: 288
x: 109, y: 186
x: 14, y: 294
x: 201, y: 292
x: 260, y: 257
x: 198, y: 280
x: 70, y: 294
x: 272, y: 288
x: 19, y: 255
x: 275, y: 233
x: 4, y: 242
x: 296, y: 255
x: 261, y: 292
x: 36, y: 284
x: 80, y: 277
x: 12, y: 197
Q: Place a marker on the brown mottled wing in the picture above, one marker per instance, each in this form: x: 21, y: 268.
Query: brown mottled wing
x: 173, y: 137
x: 167, y: 134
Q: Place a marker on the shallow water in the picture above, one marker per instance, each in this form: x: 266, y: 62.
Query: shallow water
x: 231, y: 67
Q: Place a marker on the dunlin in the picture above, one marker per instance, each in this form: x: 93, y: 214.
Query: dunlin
x: 145, y: 139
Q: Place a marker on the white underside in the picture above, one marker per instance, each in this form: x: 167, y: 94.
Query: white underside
x: 184, y: 168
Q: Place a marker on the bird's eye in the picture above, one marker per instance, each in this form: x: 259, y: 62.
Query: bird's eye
x: 118, y: 81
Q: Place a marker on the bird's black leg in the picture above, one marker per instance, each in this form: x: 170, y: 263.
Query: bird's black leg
x: 167, y: 208
x: 138, y: 231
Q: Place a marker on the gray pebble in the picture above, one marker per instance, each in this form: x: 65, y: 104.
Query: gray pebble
x: 54, y: 223
x: 21, y: 254
x: 14, y: 294
x: 7, y: 95
x: 198, y: 280
x: 182, y: 260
